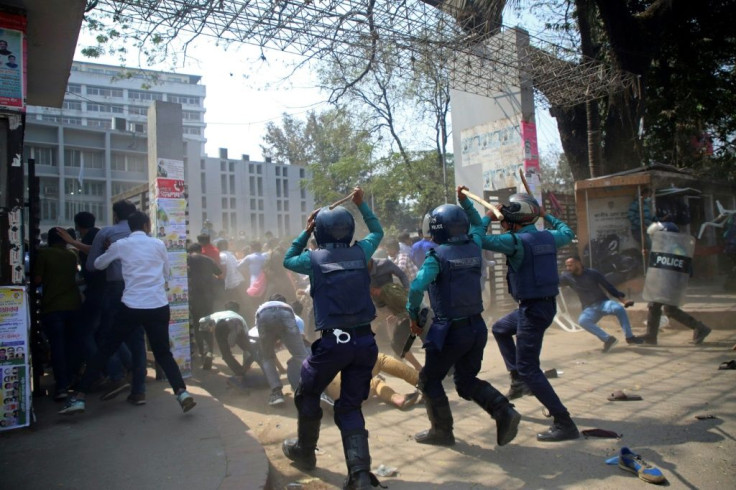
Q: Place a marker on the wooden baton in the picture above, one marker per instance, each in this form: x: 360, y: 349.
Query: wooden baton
x: 485, y: 204
x: 344, y: 199
x: 523, y: 181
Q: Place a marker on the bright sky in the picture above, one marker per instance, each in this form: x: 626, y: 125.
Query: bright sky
x: 245, y: 92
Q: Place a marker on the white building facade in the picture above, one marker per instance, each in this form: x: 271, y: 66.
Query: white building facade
x: 95, y: 147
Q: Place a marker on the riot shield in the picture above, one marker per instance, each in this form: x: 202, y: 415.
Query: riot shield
x: 670, y: 263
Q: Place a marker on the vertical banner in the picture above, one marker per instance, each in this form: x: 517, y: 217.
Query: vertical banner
x: 530, y: 157
x: 12, y: 61
x: 15, y: 391
x: 170, y: 226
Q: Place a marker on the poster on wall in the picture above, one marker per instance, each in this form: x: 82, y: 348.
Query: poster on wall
x: 12, y: 61
x: 15, y: 389
x: 611, y: 248
x: 497, y: 147
x: 169, y: 169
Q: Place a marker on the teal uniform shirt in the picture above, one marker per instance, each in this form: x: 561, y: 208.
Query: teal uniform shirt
x: 297, y: 259
x: 507, y: 243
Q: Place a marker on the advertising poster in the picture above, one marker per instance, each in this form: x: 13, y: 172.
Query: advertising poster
x: 170, y: 188
x: 171, y: 212
x: 15, y: 389
x: 12, y: 61
x: 178, y: 264
x: 169, y: 169
x: 179, y: 337
x: 178, y: 292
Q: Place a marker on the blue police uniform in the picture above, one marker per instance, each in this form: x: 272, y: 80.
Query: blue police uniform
x: 533, y: 282
x: 340, y: 288
x: 457, y: 337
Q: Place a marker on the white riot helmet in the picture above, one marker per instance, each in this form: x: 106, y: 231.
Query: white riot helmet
x: 522, y: 209
x: 425, y: 226
x: 662, y: 226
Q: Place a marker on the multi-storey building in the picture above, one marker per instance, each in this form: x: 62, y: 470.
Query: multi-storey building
x: 95, y: 147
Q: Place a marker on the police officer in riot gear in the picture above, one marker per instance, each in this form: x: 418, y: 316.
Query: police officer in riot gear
x: 343, y: 310
x: 451, y: 272
x: 533, y: 282
x: 666, y: 280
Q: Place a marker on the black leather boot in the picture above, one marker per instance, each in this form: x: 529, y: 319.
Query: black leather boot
x: 358, y: 460
x: 563, y: 429
x: 518, y: 387
x: 498, y: 406
x: 653, y: 318
x: 440, y: 416
x: 301, y: 450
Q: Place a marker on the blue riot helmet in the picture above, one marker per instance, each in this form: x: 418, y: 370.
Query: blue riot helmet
x: 522, y: 209
x: 448, y: 223
x: 334, y: 226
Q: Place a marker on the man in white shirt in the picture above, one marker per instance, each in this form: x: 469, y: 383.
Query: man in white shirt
x: 234, y: 280
x: 145, y: 265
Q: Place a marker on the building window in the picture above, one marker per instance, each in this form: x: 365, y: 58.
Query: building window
x: 117, y: 187
x: 223, y: 166
x: 43, y: 156
x: 204, y: 183
x: 99, y: 123
x: 301, y: 173
x: 104, y: 91
x: 144, y: 95
x: 74, y: 88
x: 286, y: 172
x: 232, y: 184
x: 188, y: 130
x: 278, y: 205
x: 87, y: 188
x: 259, y: 169
x: 278, y: 188
x: 91, y: 159
x: 223, y: 184
x: 137, y: 110
x: 260, y: 205
x: 191, y: 116
x: 72, y: 121
x: 233, y: 205
x: 202, y: 165
x: 204, y: 202
x: 304, y: 207
x: 50, y: 209
x: 285, y: 184
x: 224, y: 203
x: 286, y: 206
x: 278, y: 171
x: 260, y: 187
x: 303, y: 192
x: 231, y: 166
x: 74, y: 105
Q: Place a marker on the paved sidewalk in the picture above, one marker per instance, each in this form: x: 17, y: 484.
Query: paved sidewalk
x: 115, y: 445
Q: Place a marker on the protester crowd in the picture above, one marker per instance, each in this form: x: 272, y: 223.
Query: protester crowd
x: 343, y: 314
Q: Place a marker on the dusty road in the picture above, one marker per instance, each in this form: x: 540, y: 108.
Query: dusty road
x: 677, y: 381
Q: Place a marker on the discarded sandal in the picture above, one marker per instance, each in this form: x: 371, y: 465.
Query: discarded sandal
x: 633, y: 463
x: 620, y: 396
x: 604, y: 433
x: 728, y: 365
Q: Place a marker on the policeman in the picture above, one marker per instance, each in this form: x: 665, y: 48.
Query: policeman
x: 451, y: 272
x: 670, y: 266
x: 343, y: 311
x: 533, y: 283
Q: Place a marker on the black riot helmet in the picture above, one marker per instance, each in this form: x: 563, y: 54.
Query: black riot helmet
x: 448, y: 223
x: 334, y: 227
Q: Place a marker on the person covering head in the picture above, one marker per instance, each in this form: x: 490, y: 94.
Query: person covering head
x: 334, y: 227
x: 522, y: 209
x: 122, y: 209
x: 84, y: 220
x: 448, y: 223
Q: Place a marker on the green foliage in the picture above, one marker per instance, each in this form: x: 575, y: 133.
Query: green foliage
x: 341, y: 156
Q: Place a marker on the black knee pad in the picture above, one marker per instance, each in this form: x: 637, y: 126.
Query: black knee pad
x: 422, y: 381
